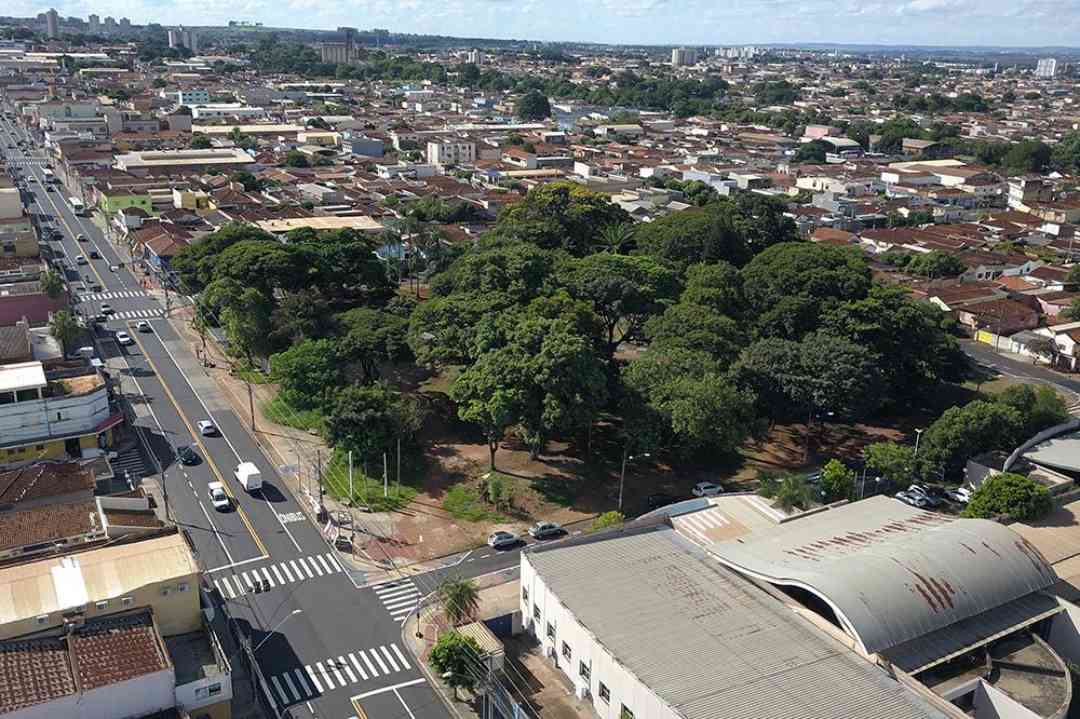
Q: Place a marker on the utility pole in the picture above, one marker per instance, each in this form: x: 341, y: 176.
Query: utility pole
x: 350, y: 478
x: 318, y: 468
x: 164, y: 492
x: 385, y: 478
x: 399, y: 465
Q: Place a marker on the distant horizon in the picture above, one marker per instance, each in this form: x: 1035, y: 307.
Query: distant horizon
x: 918, y: 24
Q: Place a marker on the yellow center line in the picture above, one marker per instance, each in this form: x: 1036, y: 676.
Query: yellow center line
x: 197, y: 436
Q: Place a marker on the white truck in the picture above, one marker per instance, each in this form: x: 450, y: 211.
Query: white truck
x: 248, y: 475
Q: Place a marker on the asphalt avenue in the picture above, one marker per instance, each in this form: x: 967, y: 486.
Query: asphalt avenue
x: 327, y: 644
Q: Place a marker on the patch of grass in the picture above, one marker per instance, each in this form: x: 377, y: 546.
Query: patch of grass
x: 465, y: 503
x: 279, y: 411
x: 252, y: 375
x: 366, y: 490
x: 562, y: 492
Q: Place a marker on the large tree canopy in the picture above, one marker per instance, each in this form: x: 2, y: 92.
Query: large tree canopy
x: 561, y: 215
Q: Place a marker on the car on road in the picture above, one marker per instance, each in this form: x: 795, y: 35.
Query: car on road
x: 50, y: 188
x: 80, y: 237
x: 502, y: 540
x: 99, y: 318
x: 80, y: 260
x: 915, y: 500
x: 124, y: 338
x: 106, y: 309
x: 546, y: 530
x: 143, y: 326
x: 707, y: 489
x: 94, y: 255
x: 658, y: 500
x: 218, y: 497
x: 960, y: 495
x: 207, y: 428
x: 186, y: 455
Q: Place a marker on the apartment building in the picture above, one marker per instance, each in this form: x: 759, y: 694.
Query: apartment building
x: 451, y: 151
x: 63, y: 412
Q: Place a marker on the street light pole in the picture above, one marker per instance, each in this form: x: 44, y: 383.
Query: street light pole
x: 269, y: 634
x: 918, y: 436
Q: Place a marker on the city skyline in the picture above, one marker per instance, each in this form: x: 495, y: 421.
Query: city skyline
x: 651, y: 22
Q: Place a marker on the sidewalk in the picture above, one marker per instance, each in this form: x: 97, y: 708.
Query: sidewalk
x: 295, y: 453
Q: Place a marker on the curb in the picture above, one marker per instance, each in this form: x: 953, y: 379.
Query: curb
x: 410, y: 626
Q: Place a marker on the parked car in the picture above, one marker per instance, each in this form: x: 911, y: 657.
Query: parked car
x: 143, y: 326
x: 218, y: 497
x: 106, y: 308
x: 932, y: 495
x: 707, y: 489
x: 187, y: 455
x: 658, y: 500
x: 502, y: 540
x: 80, y: 260
x: 207, y: 428
x: 546, y: 530
x: 960, y: 495
x: 80, y: 237
x: 912, y: 499
x: 124, y: 338
x: 94, y: 255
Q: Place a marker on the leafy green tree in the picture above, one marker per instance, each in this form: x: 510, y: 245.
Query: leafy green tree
x: 301, y: 314
x: 247, y: 324
x: 195, y: 263
x: 813, y: 151
x: 245, y: 178
x: 532, y: 106
x: 309, y: 372
x: 617, y: 236
x: 717, y: 286
x: 697, y: 327
x: 607, y: 520
x: 837, y: 481
x: 713, y: 233
x: 790, y: 491
x: 52, y: 284
x: 960, y: 433
x: 1040, y: 407
x: 442, y: 331
x: 820, y: 274
x: 770, y: 368
x: 562, y: 215
x: 295, y: 158
x: 892, y: 462
x: 517, y: 269
x: 624, y: 291
x: 455, y: 657
x: 265, y: 266
x: 363, y: 419
x: 489, y: 394
x: 200, y: 141
x: 64, y: 329
x: 1009, y: 495
x: 1072, y: 312
x: 460, y: 599
x: 1066, y: 153
x: 373, y: 337
x: 1027, y: 156
x: 936, y: 264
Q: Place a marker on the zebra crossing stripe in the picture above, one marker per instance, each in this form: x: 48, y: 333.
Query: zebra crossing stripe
x: 307, y: 569
x: 348, y: 670
x: 333, y: 562
x: 277, y: 685
x: 303, y: 682
x: 324, y: 564
x: 337, y: 672
x: 314, y: 679
x: 266, y: 574
x: 292, y: 687
x: 325, y: 675
x: 367, y: 662
x: 386, y: 653
x: 299, y: 574
x: 400, y: 656
x: 379, y: 661
x: 315, y: 566
x: 356, y: 663
x: 285, y: 569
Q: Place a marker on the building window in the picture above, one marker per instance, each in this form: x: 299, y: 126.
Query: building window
x: 43, y: 619
x: 182, y: 587
x: 550, y: 631
x: 536, y: 612
x: 103, y: 604
x: 566, y: 651
x: 525, y: 595
x: 605, y: 695
x: 126, y: 601
x: 625, y: 713
x: 583, y: 670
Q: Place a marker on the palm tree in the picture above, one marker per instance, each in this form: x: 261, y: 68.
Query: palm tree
x: 64, y: 329
x: 52, y: 284
x: 615, y: 235
x: 789, y: 491
x: 460, y: 599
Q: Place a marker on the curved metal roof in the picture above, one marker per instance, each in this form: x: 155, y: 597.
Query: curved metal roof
x: 891, y: 572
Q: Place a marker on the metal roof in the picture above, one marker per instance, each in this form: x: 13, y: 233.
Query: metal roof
x: 893, y: 573
x: 708, y: 642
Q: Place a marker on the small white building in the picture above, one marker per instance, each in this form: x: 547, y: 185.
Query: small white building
x: 451, y: 151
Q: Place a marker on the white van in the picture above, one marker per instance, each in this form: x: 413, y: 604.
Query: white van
x: 247, y: 474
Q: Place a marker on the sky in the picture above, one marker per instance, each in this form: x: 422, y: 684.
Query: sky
x: 654, y: 22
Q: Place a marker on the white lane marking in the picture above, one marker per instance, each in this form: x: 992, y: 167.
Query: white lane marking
x: 314, y: 679
x: 370, y: 666
x: 394, y: 688
x: 379, y: 661
x: 280, y: 579
x: 326, y: 676
x: 337, y: 672
x: 400, y: 656
x: 356, y: 663
x: 324, y: 564
x: 292, y: 687
x: 303, y: 682
x: 333, y: 562
x: 348, y: 670
x: 268, y: 577
x: 296, y: 569
x: 389, y: 658
x: 315, y: 566
x: 285, y: 568
x: 307, y: 569
x: 407, y: 709
x: 280, y: 690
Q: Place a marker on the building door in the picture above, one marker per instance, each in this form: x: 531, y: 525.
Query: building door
x: 71, y: 446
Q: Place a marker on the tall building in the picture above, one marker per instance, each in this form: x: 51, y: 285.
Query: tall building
x: 110, y: 24
x: 681, y: 56
x: 1047, y: 69
x: 52, y: 24
x: 125, y: 24
x: 94, y: 22
x: 174, y: 38
x: 475, y: 57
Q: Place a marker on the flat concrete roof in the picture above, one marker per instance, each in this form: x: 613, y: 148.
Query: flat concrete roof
x: 22, y: 375
x: 363, y: 223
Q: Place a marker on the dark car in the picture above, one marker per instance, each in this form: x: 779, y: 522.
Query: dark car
x: 658, y: 500
x: 94, y: 255
x: 186, y: 455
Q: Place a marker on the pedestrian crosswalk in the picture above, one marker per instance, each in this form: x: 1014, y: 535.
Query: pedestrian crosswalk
x: 114, y: 295
x: 275, y: 575
x: 312, y: 680
x: 26, y: 162
x: 139, y: 314
x: 399, y: 597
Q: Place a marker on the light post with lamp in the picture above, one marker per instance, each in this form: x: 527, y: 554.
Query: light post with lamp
x: 918, y: 436
x: 269, y: 634
x: 626, y: 456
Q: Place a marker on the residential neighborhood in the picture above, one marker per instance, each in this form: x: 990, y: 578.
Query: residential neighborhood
x: 352, y: 373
